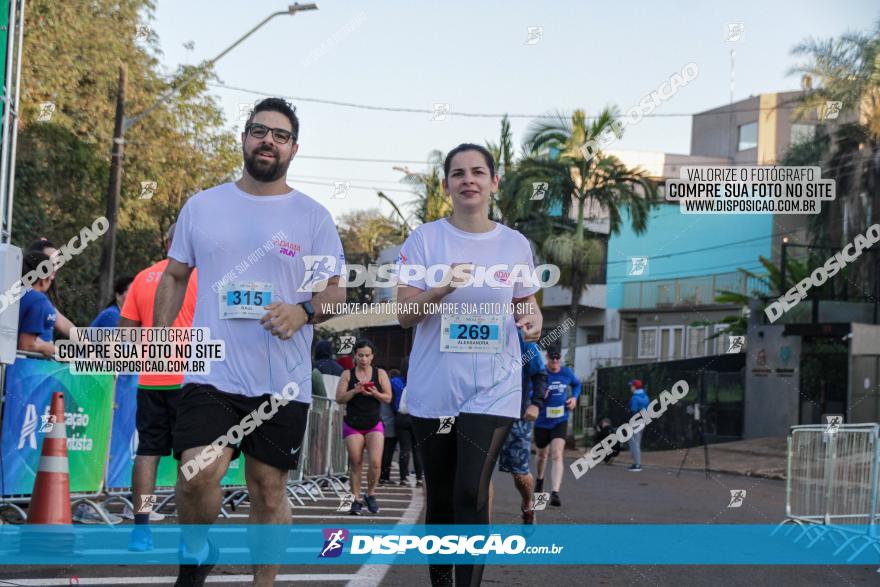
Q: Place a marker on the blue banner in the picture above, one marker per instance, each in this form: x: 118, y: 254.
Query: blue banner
x: 544, y: 544
x: 123, y: 439
x: 88, y: 409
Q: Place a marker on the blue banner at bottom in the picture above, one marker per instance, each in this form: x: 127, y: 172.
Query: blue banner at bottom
x: 627, y: 544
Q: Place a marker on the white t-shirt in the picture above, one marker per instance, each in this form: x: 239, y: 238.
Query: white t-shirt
x: 446, y: 383
x: 233, y: 237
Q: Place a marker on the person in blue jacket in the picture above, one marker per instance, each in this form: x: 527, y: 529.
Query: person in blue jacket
x: 109, y: 316
x: 551, y: 427
x: 638, y: 402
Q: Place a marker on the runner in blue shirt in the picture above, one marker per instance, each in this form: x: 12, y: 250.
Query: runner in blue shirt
x: 109, y: 316
x: 36, y: 314
x: 552, y: 423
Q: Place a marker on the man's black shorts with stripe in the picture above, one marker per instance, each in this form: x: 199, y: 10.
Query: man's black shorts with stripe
x: 205, y: 413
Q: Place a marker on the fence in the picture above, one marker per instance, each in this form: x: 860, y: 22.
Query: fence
x: 832, y: 484
x: 102, y: 441
x: 716, y: 386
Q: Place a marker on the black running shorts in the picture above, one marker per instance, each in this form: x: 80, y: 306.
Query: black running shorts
x: 543, y: 436
x: 154, y: 420
x: 204, y: 414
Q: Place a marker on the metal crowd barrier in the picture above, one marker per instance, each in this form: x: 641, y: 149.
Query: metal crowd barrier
x: 77, y: 498
x: 321, y: 447
x: 832, y: 485
x: 323, y: 466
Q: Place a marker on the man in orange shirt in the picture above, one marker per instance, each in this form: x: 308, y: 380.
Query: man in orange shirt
x: 157, y: 394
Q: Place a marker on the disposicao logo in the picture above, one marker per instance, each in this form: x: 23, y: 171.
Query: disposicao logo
x: 334, y: 539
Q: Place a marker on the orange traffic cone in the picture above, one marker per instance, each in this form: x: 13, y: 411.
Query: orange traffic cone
x: 50, y: 499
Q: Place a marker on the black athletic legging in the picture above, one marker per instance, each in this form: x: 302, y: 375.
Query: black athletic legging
x: 458, y: 467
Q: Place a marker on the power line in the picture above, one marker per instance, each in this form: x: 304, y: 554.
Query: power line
x: 713, y: 270
x: 394, y: 181
x: 357, y: 187
x: 466, y: 114
x: 360, y: 159
x: 700, y: 250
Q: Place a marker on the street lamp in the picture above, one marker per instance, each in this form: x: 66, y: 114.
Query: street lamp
x: 122, y: 124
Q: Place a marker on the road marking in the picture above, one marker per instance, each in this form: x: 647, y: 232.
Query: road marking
x: 170, y: 580
x: 345, y: 516
x: 372, y: 574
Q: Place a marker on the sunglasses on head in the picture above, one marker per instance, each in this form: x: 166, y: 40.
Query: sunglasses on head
x: 258, y: 131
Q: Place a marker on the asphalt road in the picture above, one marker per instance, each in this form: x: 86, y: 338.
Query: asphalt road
x: 606, y: 495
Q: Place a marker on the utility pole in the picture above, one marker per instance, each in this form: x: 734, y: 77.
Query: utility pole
x: 108, y: 243
x: 108, y: 249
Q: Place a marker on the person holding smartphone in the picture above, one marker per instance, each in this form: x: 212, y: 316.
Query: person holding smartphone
x: 362, y: 390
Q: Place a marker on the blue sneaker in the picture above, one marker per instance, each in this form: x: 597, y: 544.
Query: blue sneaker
x: 372, y: 504
x: 141, y: 539
x: 356, y: 508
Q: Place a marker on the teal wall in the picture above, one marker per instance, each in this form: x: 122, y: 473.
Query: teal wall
x: 671, y: 233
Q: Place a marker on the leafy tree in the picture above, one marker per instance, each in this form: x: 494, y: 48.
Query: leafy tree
x: 72, y: 54
x: 845, y: 69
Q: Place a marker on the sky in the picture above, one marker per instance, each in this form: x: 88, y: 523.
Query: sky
x: 480, y: 58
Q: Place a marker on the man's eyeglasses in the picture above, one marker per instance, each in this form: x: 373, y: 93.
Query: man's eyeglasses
x: 258, y: 131
x: 552, y: 358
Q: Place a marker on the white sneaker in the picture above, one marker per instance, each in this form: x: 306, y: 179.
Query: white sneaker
x: 129, y: 515
x: 86, y: 514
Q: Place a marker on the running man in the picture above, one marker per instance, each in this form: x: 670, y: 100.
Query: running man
x: 464, y: 367
x: 363, y: 390
x: 551, y: 426
x: 250, y: 240
x: 517, y: 449
x: 157, y: 395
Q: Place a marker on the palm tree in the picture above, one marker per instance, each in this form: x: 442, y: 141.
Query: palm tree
x: 846, y: 70
x: 600, y: 184
x: 432, y: 202
x: 769, y: 282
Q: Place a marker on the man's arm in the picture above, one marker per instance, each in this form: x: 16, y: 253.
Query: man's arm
x: 170, y: 293
x: 323, y: 301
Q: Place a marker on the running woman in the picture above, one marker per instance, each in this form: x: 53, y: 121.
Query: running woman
x: 363, y: 390
x: 551, y: 426
x: 250, y: 240
x: 464, y: 381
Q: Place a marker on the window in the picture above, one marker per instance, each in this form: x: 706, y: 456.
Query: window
x: 671, y: 342
x: 648, y: 343
x: 696, y: 341
x: 802, y: 132
x: 748, y: 136
x: 722, y: 341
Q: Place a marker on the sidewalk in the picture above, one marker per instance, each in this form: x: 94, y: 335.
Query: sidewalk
x: 759, y: 457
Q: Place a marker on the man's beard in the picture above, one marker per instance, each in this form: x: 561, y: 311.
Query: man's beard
x: 264, y: 169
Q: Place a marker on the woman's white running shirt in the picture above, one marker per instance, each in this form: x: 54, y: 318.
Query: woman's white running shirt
x: 444, y: 383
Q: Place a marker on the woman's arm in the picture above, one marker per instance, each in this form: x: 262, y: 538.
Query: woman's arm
x: 35, y: 344
x: 383, y: 394
x: 528, y: 317
x: 62, y: 324
x: 416, y: 299
x: 343, y: 395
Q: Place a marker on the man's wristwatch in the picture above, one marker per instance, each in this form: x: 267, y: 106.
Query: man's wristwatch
x: 310, y: 312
